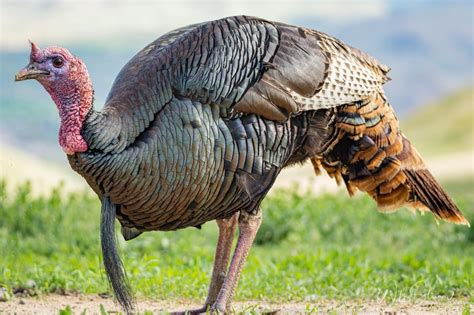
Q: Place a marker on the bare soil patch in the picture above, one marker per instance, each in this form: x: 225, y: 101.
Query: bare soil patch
x: 52, y: 304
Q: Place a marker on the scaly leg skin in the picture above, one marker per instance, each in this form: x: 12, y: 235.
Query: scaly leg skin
x: 221, y: 261
x: 248, y: 227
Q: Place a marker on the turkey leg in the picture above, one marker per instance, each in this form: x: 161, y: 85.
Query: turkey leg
x: 248, y: 227
x: 221, y: 260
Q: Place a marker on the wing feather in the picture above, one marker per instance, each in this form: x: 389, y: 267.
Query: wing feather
x: 312, y: 70
x: 243, y: 64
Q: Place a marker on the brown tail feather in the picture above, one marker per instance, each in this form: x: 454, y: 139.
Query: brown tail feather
x: 372, y: 155
x: 426, y: 190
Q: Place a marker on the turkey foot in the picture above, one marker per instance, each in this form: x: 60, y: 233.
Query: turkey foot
x: 248, y: 227
x: 221, y: 261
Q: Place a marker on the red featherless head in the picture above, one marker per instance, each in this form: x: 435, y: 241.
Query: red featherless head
x: 67, y: 80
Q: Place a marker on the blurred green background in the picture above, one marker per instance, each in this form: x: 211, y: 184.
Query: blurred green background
x: 315, y: 242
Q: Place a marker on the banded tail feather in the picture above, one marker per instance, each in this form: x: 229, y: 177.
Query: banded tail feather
x: 426, y: 192
x: 369, y: 153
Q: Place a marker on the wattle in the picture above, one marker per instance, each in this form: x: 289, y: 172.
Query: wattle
x: 71, y: 140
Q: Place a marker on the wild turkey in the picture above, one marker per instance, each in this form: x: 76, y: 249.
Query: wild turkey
x: 199, y: 124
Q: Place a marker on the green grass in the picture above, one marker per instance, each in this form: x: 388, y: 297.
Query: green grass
x: 307, y: 248
x: 444, y: 127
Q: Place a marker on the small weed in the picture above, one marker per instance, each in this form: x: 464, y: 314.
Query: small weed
x: 102, y: 310
x: 66, y: 311
x: 466, y: 310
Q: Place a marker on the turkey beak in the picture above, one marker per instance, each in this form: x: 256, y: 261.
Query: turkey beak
x: 30, y: 72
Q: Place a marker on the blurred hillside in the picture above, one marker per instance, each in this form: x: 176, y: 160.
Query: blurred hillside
x: 428, y: 45
x: 445, y: 127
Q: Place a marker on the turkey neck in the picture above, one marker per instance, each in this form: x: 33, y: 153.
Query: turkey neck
x: 74, y: 100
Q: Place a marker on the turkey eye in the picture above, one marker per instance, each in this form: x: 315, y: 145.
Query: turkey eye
x: 58, y: 62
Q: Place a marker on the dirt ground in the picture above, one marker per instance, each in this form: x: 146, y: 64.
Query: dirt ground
x: 52, y: 304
